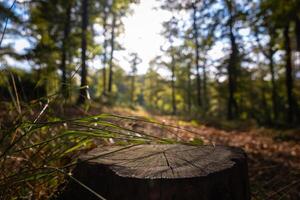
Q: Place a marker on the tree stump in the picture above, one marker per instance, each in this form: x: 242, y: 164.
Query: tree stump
x: 162, y: 172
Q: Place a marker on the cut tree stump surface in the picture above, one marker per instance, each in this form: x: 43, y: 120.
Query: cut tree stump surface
x: 163, y: 172
x: 166, y: 161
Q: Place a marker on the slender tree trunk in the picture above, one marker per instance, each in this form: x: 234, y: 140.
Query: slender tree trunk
x: 270, y: 55
x: 64, y: 88
x: 267, y: 115
x: 132, y: 87
x: 297, y: 32
x: 232, y: 68
x: 112, y: 44
x: 173, y: 85
x: 105, y: 50
x: 83, y: 89
x: 231, y: 94
x: 289, y: 78
x: 205, y: 95
x: 273, y: 82
x: 189, y: 88
x: 69, y: 74
x: 196, y: 35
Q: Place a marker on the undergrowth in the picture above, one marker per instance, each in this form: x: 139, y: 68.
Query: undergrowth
x: 38, y: 153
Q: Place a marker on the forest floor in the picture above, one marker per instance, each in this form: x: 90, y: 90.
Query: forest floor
x: 273, y: 155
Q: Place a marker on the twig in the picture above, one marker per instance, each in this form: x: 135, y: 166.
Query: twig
x: 283, y: 188
x: 79, y: 182
x: 16, y: 93
x: 6, y: 22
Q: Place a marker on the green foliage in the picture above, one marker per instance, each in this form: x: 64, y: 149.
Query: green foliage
x: 265, y: 19
x: 38, y: 146
x: 37, y: 152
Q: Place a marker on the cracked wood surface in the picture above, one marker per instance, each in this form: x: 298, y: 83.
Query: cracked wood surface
x: 161, y: 172
x: 165, y: 161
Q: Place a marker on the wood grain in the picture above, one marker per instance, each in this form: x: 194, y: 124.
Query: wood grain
x: 163, y: 172
x: 166, y: 161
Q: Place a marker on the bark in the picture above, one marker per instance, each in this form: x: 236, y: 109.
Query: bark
x: 189, y: 88
x: 173, y: 85
x: 273, y: 82
x: 132, y: 88
x: 196, y: 35
x: 269, y: 54
x: 232, y: 68
x: 161, y: 172
x: 64, y: 87
x: 112, y: 44
x: 105, y: 50
x: 289, y: 76
x: 70, y: 74
x: 83, y: 88
x: 267, y: 118
x: 205, y: 95
x: 297, y: 32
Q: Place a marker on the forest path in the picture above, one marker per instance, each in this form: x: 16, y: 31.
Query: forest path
x: 274, y: 164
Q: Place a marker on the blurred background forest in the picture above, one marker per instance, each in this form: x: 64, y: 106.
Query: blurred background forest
x: 72, y: 45
x: 229, y: 64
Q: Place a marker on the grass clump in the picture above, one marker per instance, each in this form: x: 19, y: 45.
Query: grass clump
x: 38, y: 153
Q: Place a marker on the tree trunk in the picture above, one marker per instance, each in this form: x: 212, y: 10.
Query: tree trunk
x: 132, y: 88
x: 65, y: 46
x: 267, y: 115
x: 189, y: 89
x: 162, y: 172
x: 289, y: 78
x: 297, y: 32
x: 205, y: 95
x: 105, y: 50
x: 232, y: 67
x: 274, y: 87
x: 83, y: 86
x: 269, y: 54
x: 70, y: 74
x: 196, y: 35
x: 112, y: 44
x: 173, y: 85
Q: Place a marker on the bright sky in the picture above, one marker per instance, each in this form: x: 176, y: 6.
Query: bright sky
x: 142, y: 33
